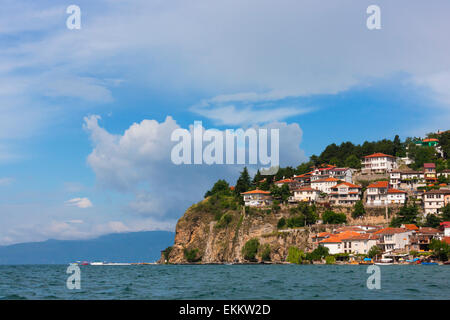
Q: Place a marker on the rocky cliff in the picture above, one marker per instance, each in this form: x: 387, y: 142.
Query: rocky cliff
x: 214, y: 233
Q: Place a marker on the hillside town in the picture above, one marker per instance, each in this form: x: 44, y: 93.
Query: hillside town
x: 381, y: 181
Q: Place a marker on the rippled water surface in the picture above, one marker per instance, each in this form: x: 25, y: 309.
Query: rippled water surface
x: 224, y: 282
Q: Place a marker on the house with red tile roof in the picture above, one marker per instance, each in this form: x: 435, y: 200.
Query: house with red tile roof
x: 377, y: 193
x: 395, y: 196
x: 434, y: 200
x: 360, y: 244
x: 304, y: 194
x: 393, y: 238
x: 334, y: 242
x: 378, y: 163
x: 429, y: 171
x: 324, y: 185
x: 257, y: 198
x: 330, y: 171
x: 345, y: 193
x: 290, y: 182
x: 421, y: 239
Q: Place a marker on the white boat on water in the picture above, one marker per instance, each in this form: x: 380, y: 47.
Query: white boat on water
x: 110, y: 264
x: 384, y: 262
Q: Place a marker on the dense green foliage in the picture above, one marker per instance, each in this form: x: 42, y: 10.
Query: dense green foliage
x: 224, y: 220
x: 330, y: 260
x: 331, y: 217
x: 166, y: 253
x: 221, y: 186
x: 265, y: 252
x: 191, y: 255
x: 281, y: 223
x: 295, y: 255
x: 374, y: 251
x: 358, y: 210
x: 243, y: 183
x: 250, y: 249
x: 440, y: 249
x: 406, y: 215
x: 319, y: 253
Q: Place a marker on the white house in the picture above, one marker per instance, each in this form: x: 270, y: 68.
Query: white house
x: 406, y: 179
x: 360, y: 244
x: 324, y: 185
x: 290, y: 182
x: 395, y: 196
x: 377, y: 193
x: 434, y: 200
x: 305, y: 194
x: 446, y: 226
x: 330, y: 171
x: 257, y: 198
x: 345, y: 193
x: 378, y: 163
x: 393, y: 238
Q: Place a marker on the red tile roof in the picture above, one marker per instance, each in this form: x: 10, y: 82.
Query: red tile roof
x: 411, y: 227
x: 429, y: 165
x: 348, y: 184
x: 285, y: 181
x: 379, y: 155
x: 430, y: 140
x: 390, y: 230
x: 395, y: 191
x: 379, y: 184
x: 447, y: 240
x: 256, y: 192
x: 326, y: 180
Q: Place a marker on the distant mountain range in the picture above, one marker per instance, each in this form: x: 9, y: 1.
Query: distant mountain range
x: 120, y: 247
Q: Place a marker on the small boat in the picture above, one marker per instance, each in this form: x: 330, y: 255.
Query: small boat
x: 447, y: 263
x: 430, y: 263
x: 97, y: 263
x: 384, y: 262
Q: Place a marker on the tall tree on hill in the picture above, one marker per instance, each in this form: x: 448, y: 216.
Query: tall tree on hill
x: 353, y: 161
x: 243, y: 183
x: 257, y: 179
x: 397, y: 146
x: 444, y: 142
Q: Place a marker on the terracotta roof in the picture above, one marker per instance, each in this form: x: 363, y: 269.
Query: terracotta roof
x: 411, y: 227
x: 430, y: 140
x: 306, y: 189
x: 322, y: 235
x: 378, y: 155
x: 379, y: 184
x: 438, y: 191
x: 429, y: 165
x: 365, y: 236
x: 256, y: 192
x: 285, y: 181
x: 390, y: 230
x: 395, y: 191
x: 445, y: 224
x: 336, y: 238
x: 428, y: 230
x: 348, y: 184
x: 447, y: 240
x: 326, y: 180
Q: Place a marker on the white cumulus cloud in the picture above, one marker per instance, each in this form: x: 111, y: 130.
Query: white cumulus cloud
x: 79, y: 202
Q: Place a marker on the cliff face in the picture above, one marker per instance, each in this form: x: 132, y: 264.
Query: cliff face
x: 221, y: 243
x: 210, y: 239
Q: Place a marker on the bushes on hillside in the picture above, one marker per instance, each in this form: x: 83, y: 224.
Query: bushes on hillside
x: 191, y: 255
x: 250, y: 249
x: 331, y: 217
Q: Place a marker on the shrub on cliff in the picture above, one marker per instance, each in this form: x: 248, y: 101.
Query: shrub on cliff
x: 224, y: 220
x: 250, y: 249
x: 319, y: 253
x: 281, y: 223
x: 358, y: 210
x: 265, y: 253
x: 331, y: 217
x: 295, y: 255
x: 221, y: 186
x: 166, y: 254
x: 191, y: 255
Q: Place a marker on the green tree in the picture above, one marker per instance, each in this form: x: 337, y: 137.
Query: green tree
x: 250, y: 249
x: 265, y: 253
x: 281, y: 223
x: 257, y: 179
x: 319, y: 253
x: 432, y: 221
x: 295, y: 255
x: 191, y: 255
x: 374, y: 251
x: 406, y: 215
x: 330, y: 260
x: 445, y: 212
x: 221, y: 186
x: 166, y: 254
x: 358, y: 210
x: 440, y: 249
x: 352, y: 161
x: 243, y: 183
x: 330, y: 217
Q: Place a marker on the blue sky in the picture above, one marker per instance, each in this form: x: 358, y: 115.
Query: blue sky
x: 86, y: 115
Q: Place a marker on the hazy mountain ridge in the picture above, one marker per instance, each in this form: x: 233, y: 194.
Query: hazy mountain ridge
x: 120, y: 247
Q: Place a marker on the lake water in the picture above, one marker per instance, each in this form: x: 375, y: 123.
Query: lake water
x: 225, y: 282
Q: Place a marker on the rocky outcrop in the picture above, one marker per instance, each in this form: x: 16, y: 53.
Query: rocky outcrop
x: 214, y: 242
x: 202, y: 237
